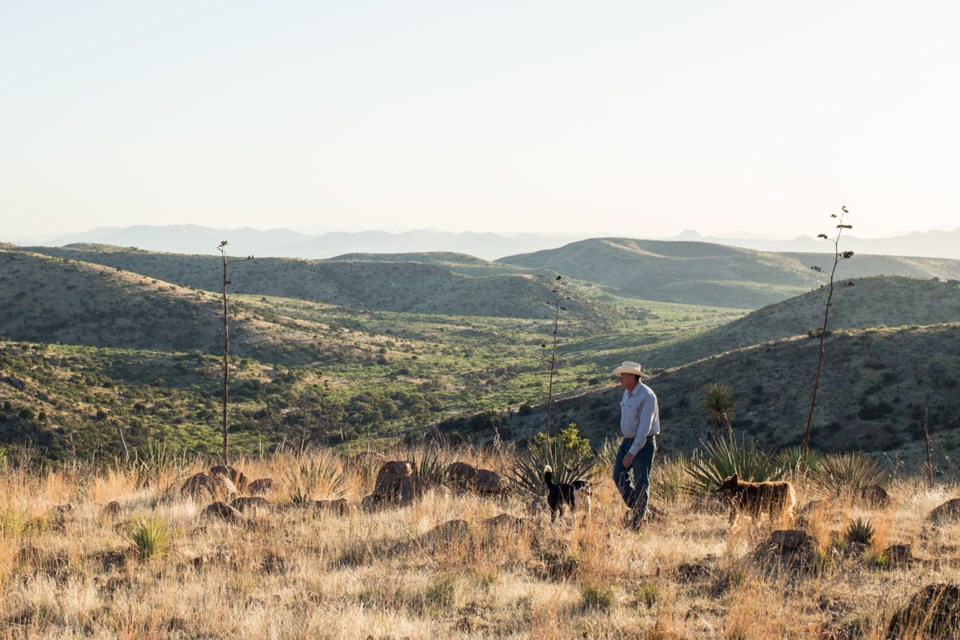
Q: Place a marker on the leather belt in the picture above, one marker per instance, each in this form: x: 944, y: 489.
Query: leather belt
x: 649, y: 438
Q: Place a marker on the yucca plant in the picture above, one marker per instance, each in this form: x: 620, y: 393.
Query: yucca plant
x: 723, y: 458
x: 150, y: 537
x: 859, y: 531
x: 318, y: 476
x: 793, y: 463
x: 669, y: 479
x: 431, y: 467
x: 567, y: 453
x: 155, y: 461
x: 851, y: 471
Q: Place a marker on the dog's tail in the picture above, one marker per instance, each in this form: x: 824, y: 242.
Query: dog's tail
x: 548, y: 476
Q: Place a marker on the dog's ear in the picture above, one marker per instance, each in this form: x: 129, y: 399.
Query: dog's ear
x: 735, y: 478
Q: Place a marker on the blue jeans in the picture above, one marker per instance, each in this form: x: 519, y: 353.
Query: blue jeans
x: 635, y: 494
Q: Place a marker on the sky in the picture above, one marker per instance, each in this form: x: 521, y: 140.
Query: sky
x: 638, y: 119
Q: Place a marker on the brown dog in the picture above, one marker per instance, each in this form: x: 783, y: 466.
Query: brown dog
x: 776, y: 498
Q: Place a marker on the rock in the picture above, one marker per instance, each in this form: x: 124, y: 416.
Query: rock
x: 253, y: 504
x: 504, y: 521
x: 933, y: 612
x: 789, y: 539
x: 489, y: 482
x: 390, y: 480
x: 875, y: 496
x: 339, y: 506
x: 461, y: 476
x: 536, y: 506
x: 450, y: 532
x: 223, y: 511
x: 947, y: 512
x: 222, y: 487
x: 197, y: 486
x: 112, y: 508
x: 260, y: 487
x: 899, y: 554
x: 236, y: 477
x: 693, y: 572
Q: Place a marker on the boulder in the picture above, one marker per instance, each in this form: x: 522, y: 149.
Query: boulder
x: 236, y: 477
x: 197, y: 486
x: 222, y: 487
x: 339, y: 506
x: 875, y: 496
x: 899, y: 555
x: 252, y: 504
x: 223, y: 511
x: 489, y: 482
x: 947, y: 512
x: 933, y: 612
x: 393, y: 482
x: 260, y: 487
x: 790, y: 539
x: 461, y: 476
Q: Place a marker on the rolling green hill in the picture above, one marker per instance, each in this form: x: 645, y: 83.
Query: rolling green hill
x: 390, y: 285
x: 710, y: 274
x: 883, y: 301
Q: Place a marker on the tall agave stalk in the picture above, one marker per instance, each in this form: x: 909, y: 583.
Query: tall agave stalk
x: 837, y: 257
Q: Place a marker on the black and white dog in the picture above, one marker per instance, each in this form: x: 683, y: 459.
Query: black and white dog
x: 576, y: 495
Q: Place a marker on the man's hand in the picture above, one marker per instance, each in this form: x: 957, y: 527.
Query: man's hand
x: 628, y: 460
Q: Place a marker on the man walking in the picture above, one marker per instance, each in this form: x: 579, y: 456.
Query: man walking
x: 639, y: 425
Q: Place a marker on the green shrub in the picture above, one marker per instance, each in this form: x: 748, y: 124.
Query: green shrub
x: 848, y: 471
x: 723, y: 458
x: 319, y: 476
x: 859, y: 531
x: 792, y: 462
x: 597, y: 597
x: 567, y: 453
x: 150, y: 537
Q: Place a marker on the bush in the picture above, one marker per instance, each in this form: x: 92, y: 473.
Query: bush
x: 320, y: 475
x: 859, y: 531
x: 567, y: 453
x: 150, y: 537
x: 723, y: 458
x: 848, y: 471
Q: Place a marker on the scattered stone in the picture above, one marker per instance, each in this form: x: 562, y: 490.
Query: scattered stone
x: 260, y: 487
x: 875, y: 496
x: 789, y: 539
x: 339, y: 506
x: 252, y: 504
x: 390, y: 480
x: 462, y: 476
x: 899, y: 555
x: 694, y: 572
x: 504, y: 521
x: 933, y: 612
x: 222, y: 487
x: 449, y: 533
x: 235, y: 475
x: 489, y: 482
x: 947, y: 512
x: 197, y: 486
x: 223, y: 511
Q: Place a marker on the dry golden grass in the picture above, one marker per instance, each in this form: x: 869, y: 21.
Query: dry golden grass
x: 69, y: 569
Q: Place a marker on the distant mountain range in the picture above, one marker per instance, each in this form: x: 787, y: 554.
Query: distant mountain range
x: 193, y: 239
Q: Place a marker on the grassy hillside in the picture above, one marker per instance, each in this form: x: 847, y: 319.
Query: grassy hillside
x: 709, y: 273
x: 884, y: 301
x: 875, y: 386
x: 405, y: 286
x: 46, y: 299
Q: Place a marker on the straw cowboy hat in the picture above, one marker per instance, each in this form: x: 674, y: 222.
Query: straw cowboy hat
x: 628, y: 367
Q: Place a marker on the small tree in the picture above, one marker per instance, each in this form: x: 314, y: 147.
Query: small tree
x: 718, y: 404
x: 837, y: 257
x: 222, y: 248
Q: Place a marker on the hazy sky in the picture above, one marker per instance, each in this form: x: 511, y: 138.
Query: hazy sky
x: 638, y: 118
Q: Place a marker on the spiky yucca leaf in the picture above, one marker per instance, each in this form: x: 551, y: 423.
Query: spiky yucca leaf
x: 860, y: 531
x: 431, y: 466
x: 150, y: 537
x: 669, y: 479
x: 321, y: 475
x: 568, y: 465
x: 850, y: 471
x: 792, y: 462
x: 723, y: 458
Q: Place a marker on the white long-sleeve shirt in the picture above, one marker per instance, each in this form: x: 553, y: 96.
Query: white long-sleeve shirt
x: 639, y: 416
